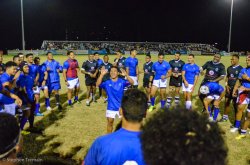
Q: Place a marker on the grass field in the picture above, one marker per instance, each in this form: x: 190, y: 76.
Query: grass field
x: 66, y: 136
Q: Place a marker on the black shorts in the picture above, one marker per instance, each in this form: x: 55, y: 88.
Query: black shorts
x: 175, y: 81
x: 230, y: 94
x: 90, y: 81
x: 145, y: 82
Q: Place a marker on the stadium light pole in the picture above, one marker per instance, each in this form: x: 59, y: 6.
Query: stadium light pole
x: 23, y: 40
x: 230, y: 28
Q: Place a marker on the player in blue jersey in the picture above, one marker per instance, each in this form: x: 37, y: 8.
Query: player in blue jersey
x: 122, y: 146
x: 21, y: 57
x: 132, y: 67
x: 190, y: 74
x: 243, y: 96
x: 2, y: 65
x: 53, y: 69
x: 114, y: 89
x: 99, y: 62
x: 107, y: 66
x: 8, y: 82
x: 16, y: 59
x: 70, y: 75
x: 162, y: 71
x: 42, y: 82
x: 214, y: 93
x: 33, y: 72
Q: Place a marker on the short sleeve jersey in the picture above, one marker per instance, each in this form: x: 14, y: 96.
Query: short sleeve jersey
x: 176, y: 65
x: 160, y: 69
x: 233, y: 74
x: 107, y: 67
x: 213, y: 70
x: 191, y: 70
x: 214, y: 88
x: 148, y: 68
x: 120, y: 63
x: 89, y: 66
x: 131, y: 64
x: 245, y: 83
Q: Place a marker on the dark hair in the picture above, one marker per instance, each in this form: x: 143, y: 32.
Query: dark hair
x: 30, y: 54
x: 105, y: 55
x: 236, y: 55
x: 9, y: 133
x: 134, y: 105
x: 132, y: 50
x: 48, y: 53
x: 191, y: 55
x: 160, y: 54
x: 118, y: 50
x: 178, y: 53
x: 36, y: 58
x: 14, y: 57
x: 114, y: 67
x: 10, y: 64
x: 20, y: 54
x: 68, y: 52
x: 182, y: 137
x: 96, y: 53
x: 148, y: 55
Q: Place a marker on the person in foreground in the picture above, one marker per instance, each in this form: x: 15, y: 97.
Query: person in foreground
x: 9, y: 139
x: 182, y: 137
x: 123, y: 146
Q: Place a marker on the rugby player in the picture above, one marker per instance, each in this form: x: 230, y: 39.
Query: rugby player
x: 148, y: 76
x: 99, y: 63
x: 90, y: 69
x: 122, y: 146
x: 119, y: 61
x: 70, y: 75
x: 190, y: 74
x: 53, y: 68
x: 132, y: 68
x: 114, y: 88
x: 162, y: 71
x: 175, y: 82
x: 233, y: 72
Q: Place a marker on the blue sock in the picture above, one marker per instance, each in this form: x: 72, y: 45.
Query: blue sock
x: 210, y: 111
x: 216, y: 113
x: 237, y: 124
x: 23, y: 122
x: 152, y: 101
x: 76, y: 98
x: 69, y: 102
x: 163, y: 102
x: 37, y: 108
x: 47, y: 102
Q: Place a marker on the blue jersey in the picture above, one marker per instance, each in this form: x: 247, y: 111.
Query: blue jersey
x: 99, y: 62
x: 191, y: 70
x: 114, y: 91
x: 41, y: 70
x: 25, y: 81
x: 131, y: 64
x: 214, y: 88
x: 160, y: 69
x: 6, y: 78
x: 33, y: 71
x: 244, y: 82
x: 120, y: 147
x: 53, y: 75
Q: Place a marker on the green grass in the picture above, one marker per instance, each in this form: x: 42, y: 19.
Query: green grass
x: 67, y: 136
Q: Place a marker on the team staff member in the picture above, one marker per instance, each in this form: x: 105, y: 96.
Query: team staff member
x: 90, y: 69
x: 175, y: 79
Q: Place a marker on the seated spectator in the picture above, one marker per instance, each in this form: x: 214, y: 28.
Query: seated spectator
x: 182, y: 137
x: 122, y: 146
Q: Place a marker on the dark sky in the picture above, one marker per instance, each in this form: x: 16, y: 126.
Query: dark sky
x: 202, y: 21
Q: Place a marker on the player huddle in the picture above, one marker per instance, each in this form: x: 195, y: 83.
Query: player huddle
x: 23, y: 80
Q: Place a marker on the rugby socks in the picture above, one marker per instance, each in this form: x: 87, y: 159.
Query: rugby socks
x: 37, y: 108
x: 152, y: 101
x: 47, y: 102
x: 57, y: 98
x: 216, y: 113
x: 163, y: 102
x: 188, y: 105
x: 169, y: 100
x: 210, y: 111
x: 177, y: 100
x: 243, y: 132
x: 225, y: 117
x: 237, y: 124
x: 23, y: 122
x: 76, y: 98
x: 31, y: 120
x: 69, y: 102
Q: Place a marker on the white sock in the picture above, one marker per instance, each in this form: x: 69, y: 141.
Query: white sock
x: 188, y: 105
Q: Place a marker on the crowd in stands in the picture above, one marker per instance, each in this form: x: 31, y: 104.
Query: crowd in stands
x: 141, y: 47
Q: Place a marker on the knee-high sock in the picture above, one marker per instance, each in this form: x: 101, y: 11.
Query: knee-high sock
x: 177, y: 100
x: 152, y: 101
x: 37, y: 108
x: 188, y: 105
x: 216, y: 113
x: 163, y: 102
x: 57, y: 98
x: 23, y: 122
x: 169, y: 100
x: 47, y: 102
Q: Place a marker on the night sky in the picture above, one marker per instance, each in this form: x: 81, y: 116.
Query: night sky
x: 199, y: 21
